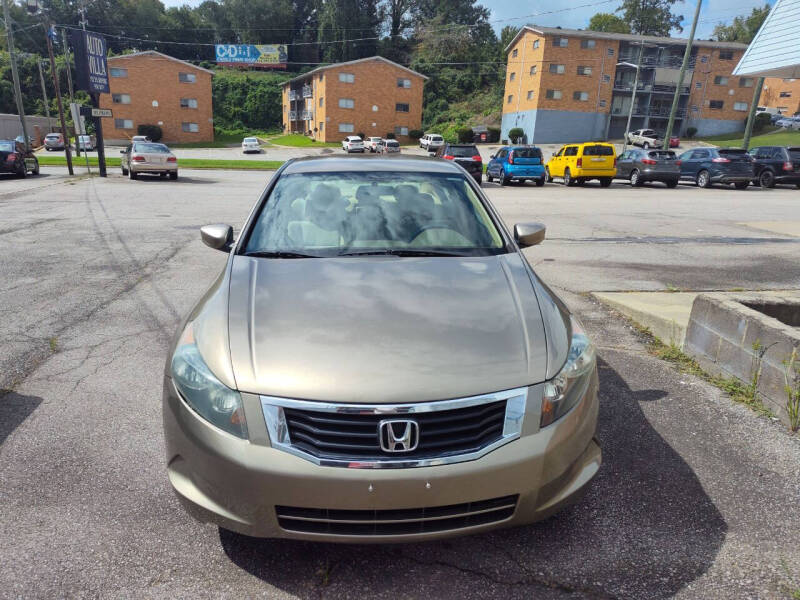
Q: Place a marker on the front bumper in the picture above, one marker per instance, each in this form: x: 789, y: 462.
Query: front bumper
x: 237, y: 484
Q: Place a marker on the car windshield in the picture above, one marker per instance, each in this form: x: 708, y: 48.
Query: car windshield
x: 150, y: 148
x: 462, y: 151
x: 436, y: 138
x: 662, y: 154
x: 794, y: 153
x: 6, y: 146
x: 393, y: 144
x: 527, y: 153
x: 52, y: 136
x: 250, y: 140
x: 374, y: 139
x: 352, y: 213
x: 598, y: 150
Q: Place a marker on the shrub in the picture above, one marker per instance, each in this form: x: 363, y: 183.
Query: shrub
x: 465, y: 135
x: 390, y: 135
x: 763, y: 120
x: 494, y: 135
x: 154, y: 132
x: 415, y: 134
x: 691, y: 132
x: 516, y: 134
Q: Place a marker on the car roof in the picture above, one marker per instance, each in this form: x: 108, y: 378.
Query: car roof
x: 365, y: 164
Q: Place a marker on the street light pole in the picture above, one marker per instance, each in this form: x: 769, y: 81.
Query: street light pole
x: 14, y: 73
x: 633, y: 96
x: 687, y: 53
x: 751, y: 117
x: 54, y: 73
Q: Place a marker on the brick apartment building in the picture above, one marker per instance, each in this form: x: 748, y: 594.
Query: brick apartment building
x: 373, y: 96
x: 155, y: 89
x: 566, y: 85
x: 783, y: 94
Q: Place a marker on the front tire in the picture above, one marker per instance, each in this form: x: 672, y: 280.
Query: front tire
x: 703, y: 179
x: 547, y: 177
x: 766, y: 179
x: 24, y: 172
x: 568, y: 180
x: 488, y: 177
x: 636, y: 178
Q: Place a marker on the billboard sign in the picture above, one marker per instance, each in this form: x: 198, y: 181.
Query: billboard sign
x: 90, y: 61
x: 271, y: 56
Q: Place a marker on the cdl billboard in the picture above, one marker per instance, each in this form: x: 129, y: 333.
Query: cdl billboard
x: 265, y: 56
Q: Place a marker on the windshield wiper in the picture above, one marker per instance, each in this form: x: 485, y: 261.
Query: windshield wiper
x: 400, y: 252
x: 279, y: 254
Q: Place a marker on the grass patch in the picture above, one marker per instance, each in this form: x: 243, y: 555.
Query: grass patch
x: 738, y: 391
x: 186, y: 163
x: 296, y: 140
x: 776, y: 137
x: 225, y: 138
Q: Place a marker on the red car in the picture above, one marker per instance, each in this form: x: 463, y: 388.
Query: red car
x: 674, y: 141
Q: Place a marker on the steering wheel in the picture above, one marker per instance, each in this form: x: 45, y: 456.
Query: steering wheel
x: 432, y: 225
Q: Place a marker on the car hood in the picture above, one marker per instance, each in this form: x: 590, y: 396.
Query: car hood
x: 384, y: 329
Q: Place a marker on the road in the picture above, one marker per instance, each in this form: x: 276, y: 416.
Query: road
x: 697, y: 496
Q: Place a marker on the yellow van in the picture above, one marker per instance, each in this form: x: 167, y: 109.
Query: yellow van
x: 577, y: 163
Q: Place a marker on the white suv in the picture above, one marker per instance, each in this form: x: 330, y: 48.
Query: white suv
x: 352, y: 143
x: 431, y: 141
x: 372, y: 143
x: 645, y: 138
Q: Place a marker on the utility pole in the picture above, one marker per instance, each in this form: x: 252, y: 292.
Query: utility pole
x: 14, y: 73
x: 44, y: 95
x: 676, y: 98
x: 751, y: 118
x: 58, y: 98
x: 67, y: 61
x: 633, y: 95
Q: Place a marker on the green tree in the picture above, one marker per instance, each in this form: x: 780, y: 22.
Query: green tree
x: 743, y: 28
x: 650, y: 17
x: 609, y: 23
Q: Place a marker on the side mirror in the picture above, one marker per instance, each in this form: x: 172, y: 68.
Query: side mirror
x: 529, y: 234
x: 218, y: 237
x: 491, y: 156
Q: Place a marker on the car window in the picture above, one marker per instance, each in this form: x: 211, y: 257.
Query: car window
x: 732, y: 151
x: 697, y: 154
x: 502, y: 153
x: 462, y: 151
x: 794, y: 154
x: 661, y: 154
x: 571, y: 151
x: 7, y: 146
x: 392, y: 143
x: 598, y: 150
x: 560, y: 152
x: 250, y: 140
x: 150, y: 148
x: 327, y: 214
x: 436, y: 138
x: 527, y: 153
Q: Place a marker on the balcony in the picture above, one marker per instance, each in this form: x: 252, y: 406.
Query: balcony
x: 669, y: 62
x: 293, y: 95
x: 627, y: 86
x: 307, y: 91
x: 293, y: 115
x: 661, y: 88
x: 308, y: 115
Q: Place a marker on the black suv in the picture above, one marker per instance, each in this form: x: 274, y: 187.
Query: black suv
x: 466, y: 155
x: 776, y: 164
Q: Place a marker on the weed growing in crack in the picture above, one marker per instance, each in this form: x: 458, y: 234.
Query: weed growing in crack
x: 791, y: 375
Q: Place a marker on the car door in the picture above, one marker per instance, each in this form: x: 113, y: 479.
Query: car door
x: 689, y: 162
x: 624, y: 164
x: 570, y: 160
x: 553, y: 163
x: 499, y: 163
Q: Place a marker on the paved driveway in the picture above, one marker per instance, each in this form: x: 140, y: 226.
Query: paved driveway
x: 697, y: 497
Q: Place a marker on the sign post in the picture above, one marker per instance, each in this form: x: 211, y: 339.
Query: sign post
x: 92, y: 71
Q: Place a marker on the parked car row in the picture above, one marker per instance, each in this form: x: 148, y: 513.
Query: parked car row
x: 789, y: 123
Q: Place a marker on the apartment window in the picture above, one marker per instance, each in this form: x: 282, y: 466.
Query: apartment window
x: 514, y: 53
x: 704, y: 59
x: 560, y: 42
x: 187, y: 77
x: 347, y: 103
x: 533, y: 70
x: 190, y: 127
x: 403, y: 83
x: 321, y: 101
x: 401, y: 107
x: 401, y: 130
x: 512, y: 76
x: 347, y: 78
x: 123, y: 123
x: 698, y: 85
x: 715, y: 104
x: 535, y: 44
x: 745, y: 82
x: 602, y: 103
x: 553, y: 95
x: 720, y: 80
x: 321, y: 78
x: 580, y: 96
x: 588, y: 44
x: 346, y: 127
x: 726, y: 54
x: 695, y: 108
x: 321, y: 126
x: 530, y: 94
x: 583, y: 70
x: 786, y: 94
x: 121, y: 98
x: 740, y: 106
x: 611, y: 52
x: 559, y: 69
x: 510, y: 99
x: 188, y: 102
x: 606, y: 78
x: 117, y: 72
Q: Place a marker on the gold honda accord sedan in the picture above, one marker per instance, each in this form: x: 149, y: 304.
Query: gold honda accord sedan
x: 378, y: 362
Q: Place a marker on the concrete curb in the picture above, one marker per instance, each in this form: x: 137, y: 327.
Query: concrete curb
x: 665, y: 314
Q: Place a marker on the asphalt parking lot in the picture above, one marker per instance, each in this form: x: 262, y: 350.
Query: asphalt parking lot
x: 697, y: 496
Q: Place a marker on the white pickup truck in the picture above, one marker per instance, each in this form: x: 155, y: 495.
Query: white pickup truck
x: 646, y: 138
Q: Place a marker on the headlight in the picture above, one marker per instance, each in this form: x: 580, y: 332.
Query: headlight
x: 207, y: 395
x: 567, y: 388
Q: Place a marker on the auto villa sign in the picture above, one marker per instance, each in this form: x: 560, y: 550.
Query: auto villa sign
x: 90, y: 61
x: 265, y: 56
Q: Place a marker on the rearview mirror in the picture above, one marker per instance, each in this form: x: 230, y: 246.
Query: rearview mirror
x: 218, y: 237
x: 529, y: 234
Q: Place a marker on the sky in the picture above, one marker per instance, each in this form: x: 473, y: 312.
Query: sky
x: 577, y: 14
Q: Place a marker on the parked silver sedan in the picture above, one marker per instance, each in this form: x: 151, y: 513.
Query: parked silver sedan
x: 378, y: 362
x: 149, y: 157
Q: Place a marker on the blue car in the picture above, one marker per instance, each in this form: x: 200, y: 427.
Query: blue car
x: 516, y: 163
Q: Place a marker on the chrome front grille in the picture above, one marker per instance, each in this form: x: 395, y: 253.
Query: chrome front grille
x: 356, y: 435
x: 407, y: 521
